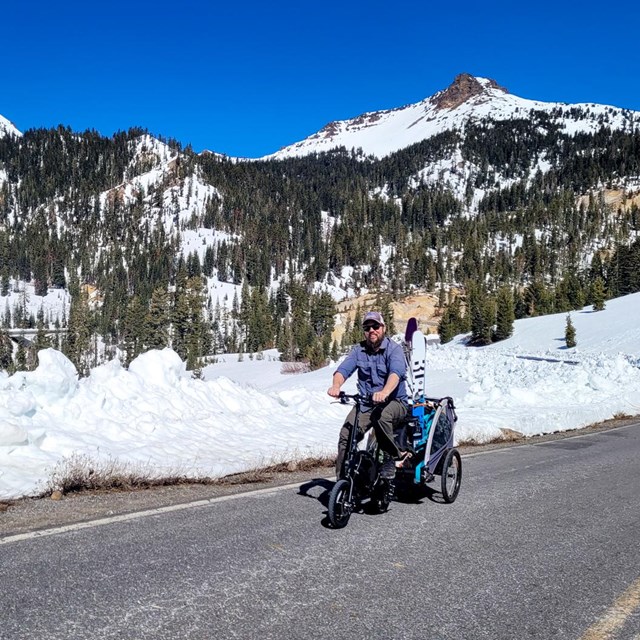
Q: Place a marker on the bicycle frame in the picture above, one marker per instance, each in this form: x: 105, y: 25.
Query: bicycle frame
x: 354, y: 457
x: 350, y: 459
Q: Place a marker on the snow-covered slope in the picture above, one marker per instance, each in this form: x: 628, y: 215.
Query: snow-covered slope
x: 381, y: 133
x: 7, y: 128
x: 167, y: 199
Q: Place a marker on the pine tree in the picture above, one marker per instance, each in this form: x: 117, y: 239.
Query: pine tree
x: 451, y: 322
x: 537, y: 299
x: 198, y: 336
x: 386, y: 309
x: 475, y: 299
x: 78, y: 338
x: 446, y: 327
x: 570, y: 333
x: 598, y: 294
x: 301, y: 329
x: 21, y: 357
x: 6, y: 318
x: 42, y: 341
x: 180, y: 321
x: 519, y: 305
x: 218, y: 327
x: 488, y: 320
x: 575, y: 291
x: 345, y: 340
x: 482, y: 313
x: 57, y: 277
x: 322, y: 313
x: 315, y: 356
x: 157, y: 320
x: 260, y: 332
x: 134, y: 329
x: 326, y: 346
x: 6, y: 352
x: 245, y: 313
x: 505, y: 315
x: 40, y: 275
x: 285, y: 342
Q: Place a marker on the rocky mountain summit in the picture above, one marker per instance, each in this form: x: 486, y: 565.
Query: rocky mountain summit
x: 463, y: 88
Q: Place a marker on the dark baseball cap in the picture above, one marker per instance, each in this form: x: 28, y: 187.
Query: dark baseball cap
x: 372, y: 316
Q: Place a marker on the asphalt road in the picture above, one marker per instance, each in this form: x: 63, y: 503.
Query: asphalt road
x: 542, y: 542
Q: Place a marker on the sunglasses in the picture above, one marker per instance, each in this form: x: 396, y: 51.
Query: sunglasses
x: 374, y: 325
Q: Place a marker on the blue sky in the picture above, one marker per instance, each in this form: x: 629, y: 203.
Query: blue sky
x: 246, y: 78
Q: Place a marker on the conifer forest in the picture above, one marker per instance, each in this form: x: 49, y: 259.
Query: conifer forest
x: 136, y: 230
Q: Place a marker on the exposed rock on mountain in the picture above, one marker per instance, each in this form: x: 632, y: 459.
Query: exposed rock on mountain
x: 463, y: 87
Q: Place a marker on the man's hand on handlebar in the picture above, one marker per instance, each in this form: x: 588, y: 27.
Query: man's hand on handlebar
x: 334, y: 391
x: 379, y: 397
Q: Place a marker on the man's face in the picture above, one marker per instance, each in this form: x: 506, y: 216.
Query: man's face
x: 374, y: 333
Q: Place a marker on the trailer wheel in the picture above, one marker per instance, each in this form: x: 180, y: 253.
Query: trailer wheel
x: 451, y: 476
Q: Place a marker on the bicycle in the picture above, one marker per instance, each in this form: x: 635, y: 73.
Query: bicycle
x: 361, y: 483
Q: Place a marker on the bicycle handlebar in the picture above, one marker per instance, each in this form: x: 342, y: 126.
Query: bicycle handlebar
x: 344, y: 398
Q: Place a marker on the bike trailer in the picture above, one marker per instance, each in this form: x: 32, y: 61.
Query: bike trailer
x: 429, y: 432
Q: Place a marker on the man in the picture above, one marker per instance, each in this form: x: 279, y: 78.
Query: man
x: 382, y: 370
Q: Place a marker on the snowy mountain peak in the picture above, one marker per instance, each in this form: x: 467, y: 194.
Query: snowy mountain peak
x: 463, y: 88
x: 468, y: 99
x: 380, y: 133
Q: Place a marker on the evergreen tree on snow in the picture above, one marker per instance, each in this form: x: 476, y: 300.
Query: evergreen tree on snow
x: 598, y: 294
x: 451, y: 323
x: 505, y: 314
x: 570, y: 333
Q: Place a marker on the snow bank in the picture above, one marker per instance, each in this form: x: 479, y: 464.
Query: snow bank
x: 248, y: 413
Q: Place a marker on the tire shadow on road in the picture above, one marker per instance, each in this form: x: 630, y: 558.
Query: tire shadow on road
x: 417, y: 495
x: 318, y: 489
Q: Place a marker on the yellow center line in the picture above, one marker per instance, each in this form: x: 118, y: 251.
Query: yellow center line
x: 616, y: 615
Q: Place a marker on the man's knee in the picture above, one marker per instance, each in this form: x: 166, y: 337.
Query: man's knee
x: 393, y: 413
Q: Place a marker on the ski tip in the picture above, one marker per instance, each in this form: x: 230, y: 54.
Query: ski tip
x: 412, y: 327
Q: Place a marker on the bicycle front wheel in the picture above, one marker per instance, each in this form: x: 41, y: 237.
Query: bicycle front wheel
x: 340, y: 507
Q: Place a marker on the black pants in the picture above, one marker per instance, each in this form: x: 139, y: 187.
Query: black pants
x: 384, y: 418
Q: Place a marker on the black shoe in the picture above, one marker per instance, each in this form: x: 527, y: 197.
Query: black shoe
x: 388, y: 469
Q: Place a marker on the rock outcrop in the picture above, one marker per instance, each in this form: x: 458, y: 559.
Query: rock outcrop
x: 463, y: 88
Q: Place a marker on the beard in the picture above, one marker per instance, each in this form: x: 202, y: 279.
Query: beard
x: 375, y: 343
